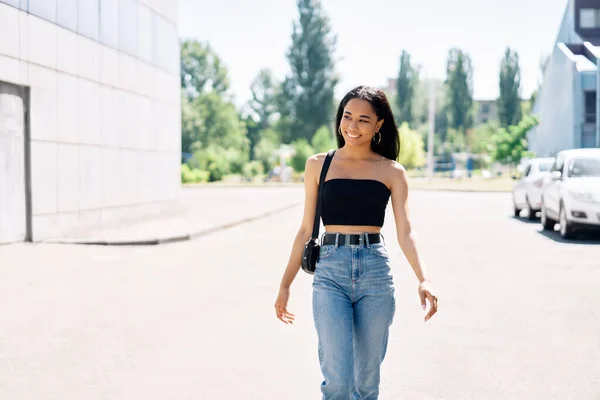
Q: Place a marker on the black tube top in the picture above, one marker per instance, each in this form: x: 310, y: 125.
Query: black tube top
x: 354, y: 202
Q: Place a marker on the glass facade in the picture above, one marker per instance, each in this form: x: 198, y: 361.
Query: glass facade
x: 128, y: 32
x: 88, y: 18
x: 589, y: 18
x: 44, y: 9
x: 109, y: 23
x: 126, y: 25
x: 66, y: 14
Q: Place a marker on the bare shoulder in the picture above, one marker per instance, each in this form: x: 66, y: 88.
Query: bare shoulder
x: 313, y: 166
x: 398, y: 176
x: 315, y: 162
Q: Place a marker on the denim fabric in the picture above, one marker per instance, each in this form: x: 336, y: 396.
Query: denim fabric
x: 353, y: 308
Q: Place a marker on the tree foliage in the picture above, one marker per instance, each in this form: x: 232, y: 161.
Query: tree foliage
x: 323, y: 140
x: 459, y: 90
x: 510, y: 144
x: 412, y: 152
x: 211, y: 126
x: 303, y: 150
x: 264, y: 88
x: 405, y: 89
x: 202, y: 70
x: 509, y: 102
x: 307, y: 93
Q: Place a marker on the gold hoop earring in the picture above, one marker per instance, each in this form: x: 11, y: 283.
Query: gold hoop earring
x: 340, y: 130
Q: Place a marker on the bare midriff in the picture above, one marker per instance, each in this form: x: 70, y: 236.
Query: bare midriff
x: 351, y: 229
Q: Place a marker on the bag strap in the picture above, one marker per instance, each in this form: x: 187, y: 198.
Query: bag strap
x: 326, y: 163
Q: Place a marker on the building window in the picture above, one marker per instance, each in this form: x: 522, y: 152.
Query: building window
x: 145, y: 27
x: 166, y: 44
x: 45, y: 9
x: 590, y: 107
x: 88, y: 18
x: 128, y: 26
x: 109, y: 23
x: 589, y: 18
x: 66, y: 14
x: 22, y: 4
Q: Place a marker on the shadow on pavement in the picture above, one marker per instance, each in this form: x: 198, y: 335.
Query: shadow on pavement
x: 582, y: 238
x: 526, y: 219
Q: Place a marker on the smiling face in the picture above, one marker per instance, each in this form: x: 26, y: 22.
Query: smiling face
x: 359, y: 123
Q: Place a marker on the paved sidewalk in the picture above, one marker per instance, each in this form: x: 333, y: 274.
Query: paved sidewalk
x: 201, y: 210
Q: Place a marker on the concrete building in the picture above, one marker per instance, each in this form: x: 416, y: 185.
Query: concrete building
x: 569, y: 102
x: 89, y: 114
x: 485, y: 111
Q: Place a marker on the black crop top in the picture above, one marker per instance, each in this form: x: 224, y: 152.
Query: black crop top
x: 354, y: 202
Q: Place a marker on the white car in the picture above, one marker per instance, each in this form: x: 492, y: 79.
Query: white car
x: 571, y: 192
x: 527, y: 191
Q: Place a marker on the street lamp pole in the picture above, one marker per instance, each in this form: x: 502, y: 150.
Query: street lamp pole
x: 430, y: 138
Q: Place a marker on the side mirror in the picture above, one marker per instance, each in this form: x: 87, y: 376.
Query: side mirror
x: 556, y: 175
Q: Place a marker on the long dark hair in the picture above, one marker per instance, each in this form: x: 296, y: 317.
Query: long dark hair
x: 389, y: 146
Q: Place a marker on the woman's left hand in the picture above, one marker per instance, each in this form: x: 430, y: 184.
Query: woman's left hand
x: 426, y: 292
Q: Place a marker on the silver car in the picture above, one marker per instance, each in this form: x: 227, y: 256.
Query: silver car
x: 571, y: 193
x: 527, y: 191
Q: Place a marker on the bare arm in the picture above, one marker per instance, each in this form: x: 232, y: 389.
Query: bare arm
x: 312, y: 170
x: 407, y: 238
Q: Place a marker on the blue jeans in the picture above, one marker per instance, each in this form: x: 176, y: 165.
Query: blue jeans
x: 353, y: 308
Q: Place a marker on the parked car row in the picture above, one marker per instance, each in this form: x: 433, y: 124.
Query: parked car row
x: 565, y: 189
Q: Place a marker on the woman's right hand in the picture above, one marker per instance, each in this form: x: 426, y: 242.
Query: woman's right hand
x: 281, y: 306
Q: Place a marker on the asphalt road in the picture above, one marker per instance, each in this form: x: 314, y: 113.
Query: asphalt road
x: 518, y: 314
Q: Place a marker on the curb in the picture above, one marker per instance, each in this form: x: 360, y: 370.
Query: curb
x: 458, y: 190
x: 173, y: 238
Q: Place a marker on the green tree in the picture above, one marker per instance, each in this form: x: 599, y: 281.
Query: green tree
x: 481, y: 139
x: 192, y: 123
x: 264, y: 90
x: 456, y: 139
x: 222, y: 126
x: 509, y: 102
x: 405, y: 88
x: 308, y: 92
x: 412, y: 154
x: 266, y: 149
x: 253, y: 130
x: 510, y: 144
x: 201, y: 69
x: 323, y: 140
x: 459, y: 90
x: 303, y: 150
x: 211, y: 126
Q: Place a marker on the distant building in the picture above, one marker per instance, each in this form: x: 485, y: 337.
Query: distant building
x: 89, y: 114
x: 485, y: 111
x: 568, y: 102
x: 391, y: 88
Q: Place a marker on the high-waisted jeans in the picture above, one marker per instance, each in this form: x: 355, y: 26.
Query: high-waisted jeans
x: 353, y: 308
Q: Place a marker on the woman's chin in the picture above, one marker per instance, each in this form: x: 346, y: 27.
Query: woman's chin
x: 358, y: 141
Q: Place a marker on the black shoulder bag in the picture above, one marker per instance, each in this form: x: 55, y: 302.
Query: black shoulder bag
x: 312, y: 247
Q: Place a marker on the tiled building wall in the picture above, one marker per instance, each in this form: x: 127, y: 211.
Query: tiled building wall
x: 105, y: 107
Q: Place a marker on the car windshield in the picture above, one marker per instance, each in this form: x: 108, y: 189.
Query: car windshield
x: 544, y: 167
x: 581, y: 167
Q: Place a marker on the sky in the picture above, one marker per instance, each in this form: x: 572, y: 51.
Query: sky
x: 252, y: 35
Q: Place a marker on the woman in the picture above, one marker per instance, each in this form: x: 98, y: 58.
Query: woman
x: 353, y: 290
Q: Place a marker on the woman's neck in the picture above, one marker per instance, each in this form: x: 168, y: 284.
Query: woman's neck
x: 356, y: 153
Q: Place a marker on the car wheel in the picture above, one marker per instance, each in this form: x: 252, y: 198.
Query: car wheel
x: 547, y: 223
x: 516, y: 210
x: 566, y: 230
x: 530, y: 211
